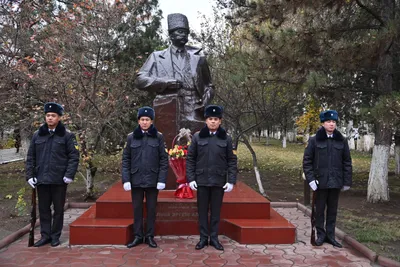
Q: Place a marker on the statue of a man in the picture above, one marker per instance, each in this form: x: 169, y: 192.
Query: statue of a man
x: 179, y: 72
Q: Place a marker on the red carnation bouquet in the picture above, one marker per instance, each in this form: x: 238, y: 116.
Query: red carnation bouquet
x: 177, y: 161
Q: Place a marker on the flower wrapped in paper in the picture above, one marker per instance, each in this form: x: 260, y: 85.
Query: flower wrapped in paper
x: 177, y: 161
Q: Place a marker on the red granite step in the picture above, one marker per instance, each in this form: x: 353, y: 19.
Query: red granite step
x: 245, y: 217
x: 276, y: 230
x: 90, y: 230
x: 116, y: 203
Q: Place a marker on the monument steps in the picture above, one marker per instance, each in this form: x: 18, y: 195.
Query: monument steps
x: 246, y: 217
x: 275, y: 230
x: 88, y: 229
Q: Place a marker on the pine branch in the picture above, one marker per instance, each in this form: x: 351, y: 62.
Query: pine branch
x: 370, y: 11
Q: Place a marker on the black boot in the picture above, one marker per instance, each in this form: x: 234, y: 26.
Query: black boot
x: 42, y: 242
x: 150, y: 241
x: 215, y: 243
x: 135, y: 242
x: 333, y: 242
x: 55, y: 242
x: 320, y: 240
x: 202, y: 243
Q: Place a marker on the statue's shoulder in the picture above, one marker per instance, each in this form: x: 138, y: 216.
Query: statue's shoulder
x: 159, y: 52
x: 194, y: 50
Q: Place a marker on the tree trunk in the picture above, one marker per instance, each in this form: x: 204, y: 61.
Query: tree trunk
x: 284, y: 138
x: 89, y: 183
x: 306, y: 137
x: 397, y: 152
x: 89, y: 166
x: 349, y: 129
x: 378, y: 187
x: 255, y: 166
x: 267, y: 138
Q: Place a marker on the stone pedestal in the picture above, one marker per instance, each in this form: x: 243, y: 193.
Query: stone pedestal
x: 168, y: 121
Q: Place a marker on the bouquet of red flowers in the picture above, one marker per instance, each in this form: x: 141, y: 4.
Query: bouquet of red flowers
x: 177, y: 161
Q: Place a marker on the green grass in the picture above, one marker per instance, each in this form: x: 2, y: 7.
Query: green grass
x: 272, y: 157
x: 12, y: 178
x: 379, y: 233
x: 288, y: 161
x: 374, y: 230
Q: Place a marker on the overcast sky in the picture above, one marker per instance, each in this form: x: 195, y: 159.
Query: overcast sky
x: 190, y: 8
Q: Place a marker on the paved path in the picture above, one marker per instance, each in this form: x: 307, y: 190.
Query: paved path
x: 179, y: 251
x: 9, y: 155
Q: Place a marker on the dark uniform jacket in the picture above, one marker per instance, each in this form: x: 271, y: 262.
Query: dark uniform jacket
x: 144, y: 160
x: 211, y: 160
x: 328, y: 160
x: 51, y: 157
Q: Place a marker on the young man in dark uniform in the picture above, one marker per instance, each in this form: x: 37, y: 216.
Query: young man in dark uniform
x: 211, y: 168
x: 144, y: 172
x: 51, y: 164
x: 328, y: 170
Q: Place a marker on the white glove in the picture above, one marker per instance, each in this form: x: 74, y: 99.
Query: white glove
x: 345, y: 188
x: 32, y: 182
x: 193, y: 185
x: 160, y: 186
x: 127, y: 186
x: 228, y: 187
x: 67, y: 180
x: 313, y: 185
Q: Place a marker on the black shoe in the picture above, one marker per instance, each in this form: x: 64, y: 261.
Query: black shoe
x: 55, y: 243
x: 135, y: 242
x: 333, y: 242
x: 150, y: 241
x: 42, y: 242
x: 202, y: 243
x: 215, y: 243
x: 320, y: 240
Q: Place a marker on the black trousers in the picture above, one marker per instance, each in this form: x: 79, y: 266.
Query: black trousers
x: 209, y: 198
x: 326, y: 198
x: 138, y: 194
x: 48, y: 194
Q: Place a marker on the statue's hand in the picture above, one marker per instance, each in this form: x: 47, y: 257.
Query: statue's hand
x: 174, y: 84
x: 206, y: 97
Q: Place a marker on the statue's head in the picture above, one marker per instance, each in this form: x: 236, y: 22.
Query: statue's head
x: 178, y: 29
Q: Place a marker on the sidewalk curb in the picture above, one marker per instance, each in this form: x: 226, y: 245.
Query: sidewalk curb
x: 386, y: 262
x: 80, y: 205
x: 371, y: 255
x: 16, y: 235
x: 24, y: 230
x: 283, y: 204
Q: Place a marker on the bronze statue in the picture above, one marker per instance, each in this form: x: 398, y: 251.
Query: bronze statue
x: 179, y: 72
